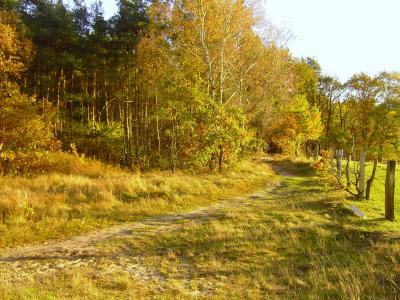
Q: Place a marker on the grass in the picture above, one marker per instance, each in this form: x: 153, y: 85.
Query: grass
x: 374, y: 209
x: 295, y: 241
x: 44, y: 207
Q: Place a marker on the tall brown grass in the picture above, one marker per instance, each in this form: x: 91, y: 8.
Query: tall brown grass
x: 75, y: 195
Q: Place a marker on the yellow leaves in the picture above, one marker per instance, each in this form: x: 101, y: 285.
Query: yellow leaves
x: 198, y: 53
x: 207, y: 44
x: 15, y: 48
x: 7, y: 155
x: 392, y: 114
x: 21, y: 126
x: 295, y: 124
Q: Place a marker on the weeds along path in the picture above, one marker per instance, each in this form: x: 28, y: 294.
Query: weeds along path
x: 91, y: 249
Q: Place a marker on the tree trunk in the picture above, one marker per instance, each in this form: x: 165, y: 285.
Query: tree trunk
x: 94, y: 96
x: 361, y: 188
x: 158, y: 130
x: 316, y: 151
x: 211, y: 163
x: 220, y: 158
x: 173, y: 146
x: 348, y: 182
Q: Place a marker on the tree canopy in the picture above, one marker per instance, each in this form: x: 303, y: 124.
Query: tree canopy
x: 178, y: 84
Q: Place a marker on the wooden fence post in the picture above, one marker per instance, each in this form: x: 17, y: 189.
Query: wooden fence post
x: 389, y: 190
x: 331, y: 161
x: 339, y: 156
x: 316, y: 151
x: 348, y: 183
x: 362, y: 174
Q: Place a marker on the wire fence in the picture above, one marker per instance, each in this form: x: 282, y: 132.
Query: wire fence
x: 379, y: 185
x: 352, y: 172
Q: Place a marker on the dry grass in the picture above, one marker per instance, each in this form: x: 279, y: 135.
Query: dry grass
x: 295, y: 243
x: 38, y: 208
x: 299, y: 243
x: 33, y: 163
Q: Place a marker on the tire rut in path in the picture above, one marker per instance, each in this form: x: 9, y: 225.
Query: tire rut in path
x: 55, y: 256
x: 85, y: 245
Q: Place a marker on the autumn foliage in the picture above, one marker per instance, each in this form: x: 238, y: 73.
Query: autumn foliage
x: 180, y: 84
x: 22, y: 128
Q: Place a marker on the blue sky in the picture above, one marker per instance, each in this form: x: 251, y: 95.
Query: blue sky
x: 110, y: 7
x: 345, y: 36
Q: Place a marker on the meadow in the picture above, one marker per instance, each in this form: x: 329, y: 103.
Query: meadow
x: 81, y: 195
x: 293, y: 237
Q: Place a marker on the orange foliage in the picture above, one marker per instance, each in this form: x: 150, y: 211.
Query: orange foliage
x: 15, y: 48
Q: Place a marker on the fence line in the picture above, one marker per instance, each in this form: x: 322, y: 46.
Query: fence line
x: 387, y: 186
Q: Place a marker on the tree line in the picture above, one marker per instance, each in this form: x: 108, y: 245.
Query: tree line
x: 362, y: 113
x: 174, y: 84
x: 166, y: 84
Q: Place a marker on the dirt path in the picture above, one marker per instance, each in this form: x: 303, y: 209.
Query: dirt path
x: 86, y: 250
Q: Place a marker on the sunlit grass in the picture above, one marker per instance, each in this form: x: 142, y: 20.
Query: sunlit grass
x: 374, y: 209
x: 296, y: 242
x: 35, y: 209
